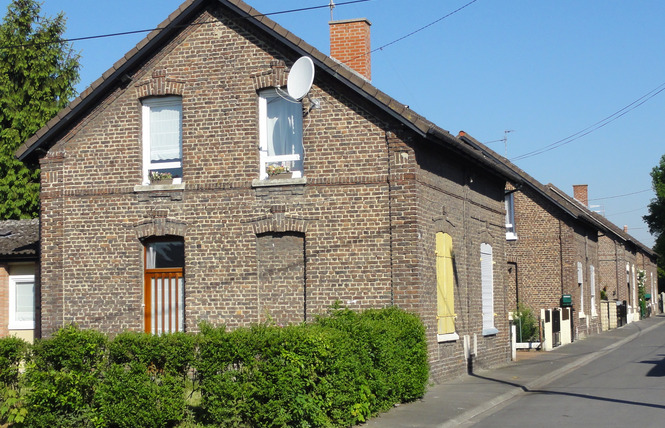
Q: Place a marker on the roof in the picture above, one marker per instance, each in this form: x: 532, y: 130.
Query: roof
x: 48, y: 135
x: 569, y: 205
x: 19, y: 239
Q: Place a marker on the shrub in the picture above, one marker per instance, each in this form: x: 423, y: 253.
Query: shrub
x: 62, y: 378
x: 133, y: 395
x: 171, y: 353
x: 12, y: 351
x: 527, y: 324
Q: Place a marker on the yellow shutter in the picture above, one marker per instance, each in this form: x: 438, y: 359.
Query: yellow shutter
x: 445, y: 280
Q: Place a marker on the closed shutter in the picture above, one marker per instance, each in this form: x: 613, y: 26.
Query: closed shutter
x: 445, y: 284
x: 487, y: 280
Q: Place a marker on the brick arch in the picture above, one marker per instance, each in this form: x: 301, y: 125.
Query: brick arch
x: 160, y: 227
x: 279, y: 223
x: 275, y: 77
x: 159, y: 85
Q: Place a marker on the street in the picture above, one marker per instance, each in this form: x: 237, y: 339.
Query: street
x: 624, y: 387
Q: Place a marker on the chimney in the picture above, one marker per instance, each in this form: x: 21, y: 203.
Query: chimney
x: 625, y: 228
x: 581, y: 193
x: 349, y: 44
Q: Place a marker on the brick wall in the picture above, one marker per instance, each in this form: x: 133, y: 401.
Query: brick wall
x: 358, y: 230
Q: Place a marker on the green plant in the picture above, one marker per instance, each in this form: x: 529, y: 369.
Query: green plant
x: 12, y: 410
x: 527, y: 324
x: 135, y: 395
x: 159, y: 176
x: 13, y: 351
x: 641, y: 291
x: 603, y: 293
x: 276, y: 169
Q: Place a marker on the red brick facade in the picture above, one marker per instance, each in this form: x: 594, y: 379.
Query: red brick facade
x: 359, y: 228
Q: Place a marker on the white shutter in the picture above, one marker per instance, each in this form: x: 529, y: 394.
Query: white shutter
x: 487, y: 280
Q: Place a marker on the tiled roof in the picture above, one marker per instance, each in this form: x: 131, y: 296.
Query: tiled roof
x: 568, y: 204
x: 47, y: 136
x: 19, y: 238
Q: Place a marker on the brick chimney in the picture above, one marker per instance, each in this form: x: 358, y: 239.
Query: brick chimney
x: 625, y: 228
x: 349, y: 44
x: 581, y: 193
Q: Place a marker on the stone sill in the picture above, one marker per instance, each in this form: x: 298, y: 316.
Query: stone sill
x: 279, y: 182
x: 158, y: 187
x: 449, y: 337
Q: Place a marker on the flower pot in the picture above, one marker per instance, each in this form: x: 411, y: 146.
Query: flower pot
x: 280, y: 176
x: 162, y: 182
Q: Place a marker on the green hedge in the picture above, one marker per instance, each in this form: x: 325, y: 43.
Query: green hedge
x: 336, y: 371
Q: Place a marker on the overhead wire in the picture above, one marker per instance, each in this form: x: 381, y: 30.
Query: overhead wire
x: 601, y: 123
x: 148, y: 30
x: 620, y: 196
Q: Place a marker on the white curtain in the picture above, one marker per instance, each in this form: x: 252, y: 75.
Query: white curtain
x: 284, y: 127
x: 165, y: 129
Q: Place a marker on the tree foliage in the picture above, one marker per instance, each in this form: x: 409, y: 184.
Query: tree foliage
x: 38, y: 72
x: 656, y: 217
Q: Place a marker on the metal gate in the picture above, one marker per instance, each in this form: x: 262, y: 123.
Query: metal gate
x: 622, y: 313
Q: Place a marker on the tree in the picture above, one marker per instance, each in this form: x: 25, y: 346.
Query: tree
x: 38, y: 72
x: 656, y: 218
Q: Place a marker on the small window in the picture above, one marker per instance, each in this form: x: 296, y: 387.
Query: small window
x: 280, y: 133
x: 580, y: 283
x: 162, y: 137
x: 511, y: 235
x: 21, y: 302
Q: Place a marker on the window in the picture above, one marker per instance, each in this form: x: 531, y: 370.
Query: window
x: 510, y: 217
x: 592, y: 285
x: 21, y: 302
x: 445, y: 288
x: 162, y: 137
x: 487, y: 280
x: 280, y: 133
x: 164, y: 294
x: 580, y: 283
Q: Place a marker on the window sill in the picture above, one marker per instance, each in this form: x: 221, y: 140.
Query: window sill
x: 490, y: 331
x: 582, y: 315
x: 449, y: 337
x: 21, y: 325
x: 279, y: 182
x: 154, y: 187
x: 511, y: 236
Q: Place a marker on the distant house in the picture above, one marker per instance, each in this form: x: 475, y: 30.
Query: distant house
x: 556, y: 247
x: 379, y: 206
x: 19, y: 254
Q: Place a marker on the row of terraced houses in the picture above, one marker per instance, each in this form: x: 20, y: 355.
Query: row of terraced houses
x: 186, y: 185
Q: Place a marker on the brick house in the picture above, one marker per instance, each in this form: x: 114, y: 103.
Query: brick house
x: 381, y: 207
x: 19, y: 245
x: 556, y: 245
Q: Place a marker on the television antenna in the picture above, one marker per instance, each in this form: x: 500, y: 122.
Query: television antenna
x: 332, y: 6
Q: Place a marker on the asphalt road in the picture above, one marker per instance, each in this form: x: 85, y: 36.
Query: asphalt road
x: 625, y: 387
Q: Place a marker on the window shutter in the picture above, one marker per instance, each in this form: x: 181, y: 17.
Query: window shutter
x: 487, y: 280
x: 445, y: 281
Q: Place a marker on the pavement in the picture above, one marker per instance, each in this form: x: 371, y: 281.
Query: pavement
x: 458, y: 402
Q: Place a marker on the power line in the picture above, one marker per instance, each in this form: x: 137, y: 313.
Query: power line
x: 620, y: 196
x: 601, y: 123
x: 148, y: 30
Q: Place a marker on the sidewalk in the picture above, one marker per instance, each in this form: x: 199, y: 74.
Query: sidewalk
x: 454, y: 403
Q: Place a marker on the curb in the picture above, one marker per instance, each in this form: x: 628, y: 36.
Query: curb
x: 541, y: 381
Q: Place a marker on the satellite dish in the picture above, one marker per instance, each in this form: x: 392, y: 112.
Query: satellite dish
x: 300, y: 78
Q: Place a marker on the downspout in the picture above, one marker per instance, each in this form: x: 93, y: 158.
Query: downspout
x: 388, y: 136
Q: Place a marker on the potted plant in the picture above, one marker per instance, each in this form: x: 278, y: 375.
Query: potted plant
x: 278, y: 172
x: 157, y: 177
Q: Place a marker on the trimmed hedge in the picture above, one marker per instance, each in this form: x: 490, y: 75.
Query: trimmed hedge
x: 337, y: 371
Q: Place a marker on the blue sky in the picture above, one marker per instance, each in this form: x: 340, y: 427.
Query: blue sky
x: 544, y: 69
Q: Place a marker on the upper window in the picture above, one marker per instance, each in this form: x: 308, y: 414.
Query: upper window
x: 445, y: 288
x: 21, y: 302
x: 510, y: 217
x: 487, y: 281
x: 280, y: 133
x: 162, y: 138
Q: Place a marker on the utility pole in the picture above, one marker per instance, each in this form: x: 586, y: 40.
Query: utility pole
x: 505, y: 138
